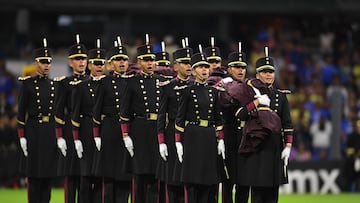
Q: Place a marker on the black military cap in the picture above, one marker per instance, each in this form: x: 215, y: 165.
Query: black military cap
x: 237, y: 59
x: 117, y: 52
x: 97, y: 56
x: 145, y: 52
x: 42, y: 55
x: 212, y: 53
x: 162, y: 58
x: 77, y: 50
x: 198, y: 59
x: 265, y: 63
x: 183, y: 55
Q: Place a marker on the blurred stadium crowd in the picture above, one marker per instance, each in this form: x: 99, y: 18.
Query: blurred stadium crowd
x: 321, y: 70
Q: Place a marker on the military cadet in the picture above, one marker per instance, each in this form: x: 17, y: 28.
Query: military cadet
x: 199, y: 136
x: 83, y: 100
x: 170, y: 94
x: 217, y: 71
x: 111, y: 156
x: 139, y: 112
x: 265, y: 149
x: 163, y: 69
x: 36, y: 127
x: 69, y: 165
x: 232, y: 127
x: 163, y: 64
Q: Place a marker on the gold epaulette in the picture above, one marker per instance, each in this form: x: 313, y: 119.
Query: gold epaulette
x: 75, y: 82
x: 285, y: 91
x: 59, y: 78
x: 99, y: 78
x: 164, y: 83
x: 23, y: 78
x: 128, y: 76
x: 249, y: 83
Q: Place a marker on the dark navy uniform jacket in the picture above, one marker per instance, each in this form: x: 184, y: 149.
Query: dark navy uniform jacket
x: 198, y: 121
x: 112, y: 160
x: 68, y: 165
x: 83, y: 100
x: 139, y: 112
x: 169, y: 101
x: 36, y: 123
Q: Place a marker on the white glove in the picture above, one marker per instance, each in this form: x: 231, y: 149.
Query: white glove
x: 129, y: 145
x: 179, y: 150
x: 23, y: 144
x: 163, y: 151
x: 98, y: 143
x: 221, y: 148
x: 61, y: 143
x: 357, y: 165
x: 263, y: 99
x: 227, y: 80
x: 79, y: 148
x: 285, y: 154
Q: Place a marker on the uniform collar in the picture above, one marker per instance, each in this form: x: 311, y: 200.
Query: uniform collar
x: 92, y: 77
x: 43, y: 76
x: 117, y: 74
x: 200, y: 83
x: 182, y: 80
x: 146, y: 75
x: 79, y: 75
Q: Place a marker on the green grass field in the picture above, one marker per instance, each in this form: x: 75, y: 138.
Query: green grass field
x: 57, y: 196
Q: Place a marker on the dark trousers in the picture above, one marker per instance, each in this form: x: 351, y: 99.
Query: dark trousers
x: 90, y: 189
x: 116, y: 191
x: 195, y: 193
x: 175, y: 193
x: 264, y: 194
x: 97, y: 190
x: 241, y: 194
x: 162, y: 192
x: 71, y: 189
x: 145, y: 189
x: 39, y: 190
x: 227, y: 190
x: 214, y: 194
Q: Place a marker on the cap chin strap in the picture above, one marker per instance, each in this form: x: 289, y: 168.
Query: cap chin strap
x: 41, y: 73
x: 183, y: 78
x: 270, y: 85
x: 200, y: 77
